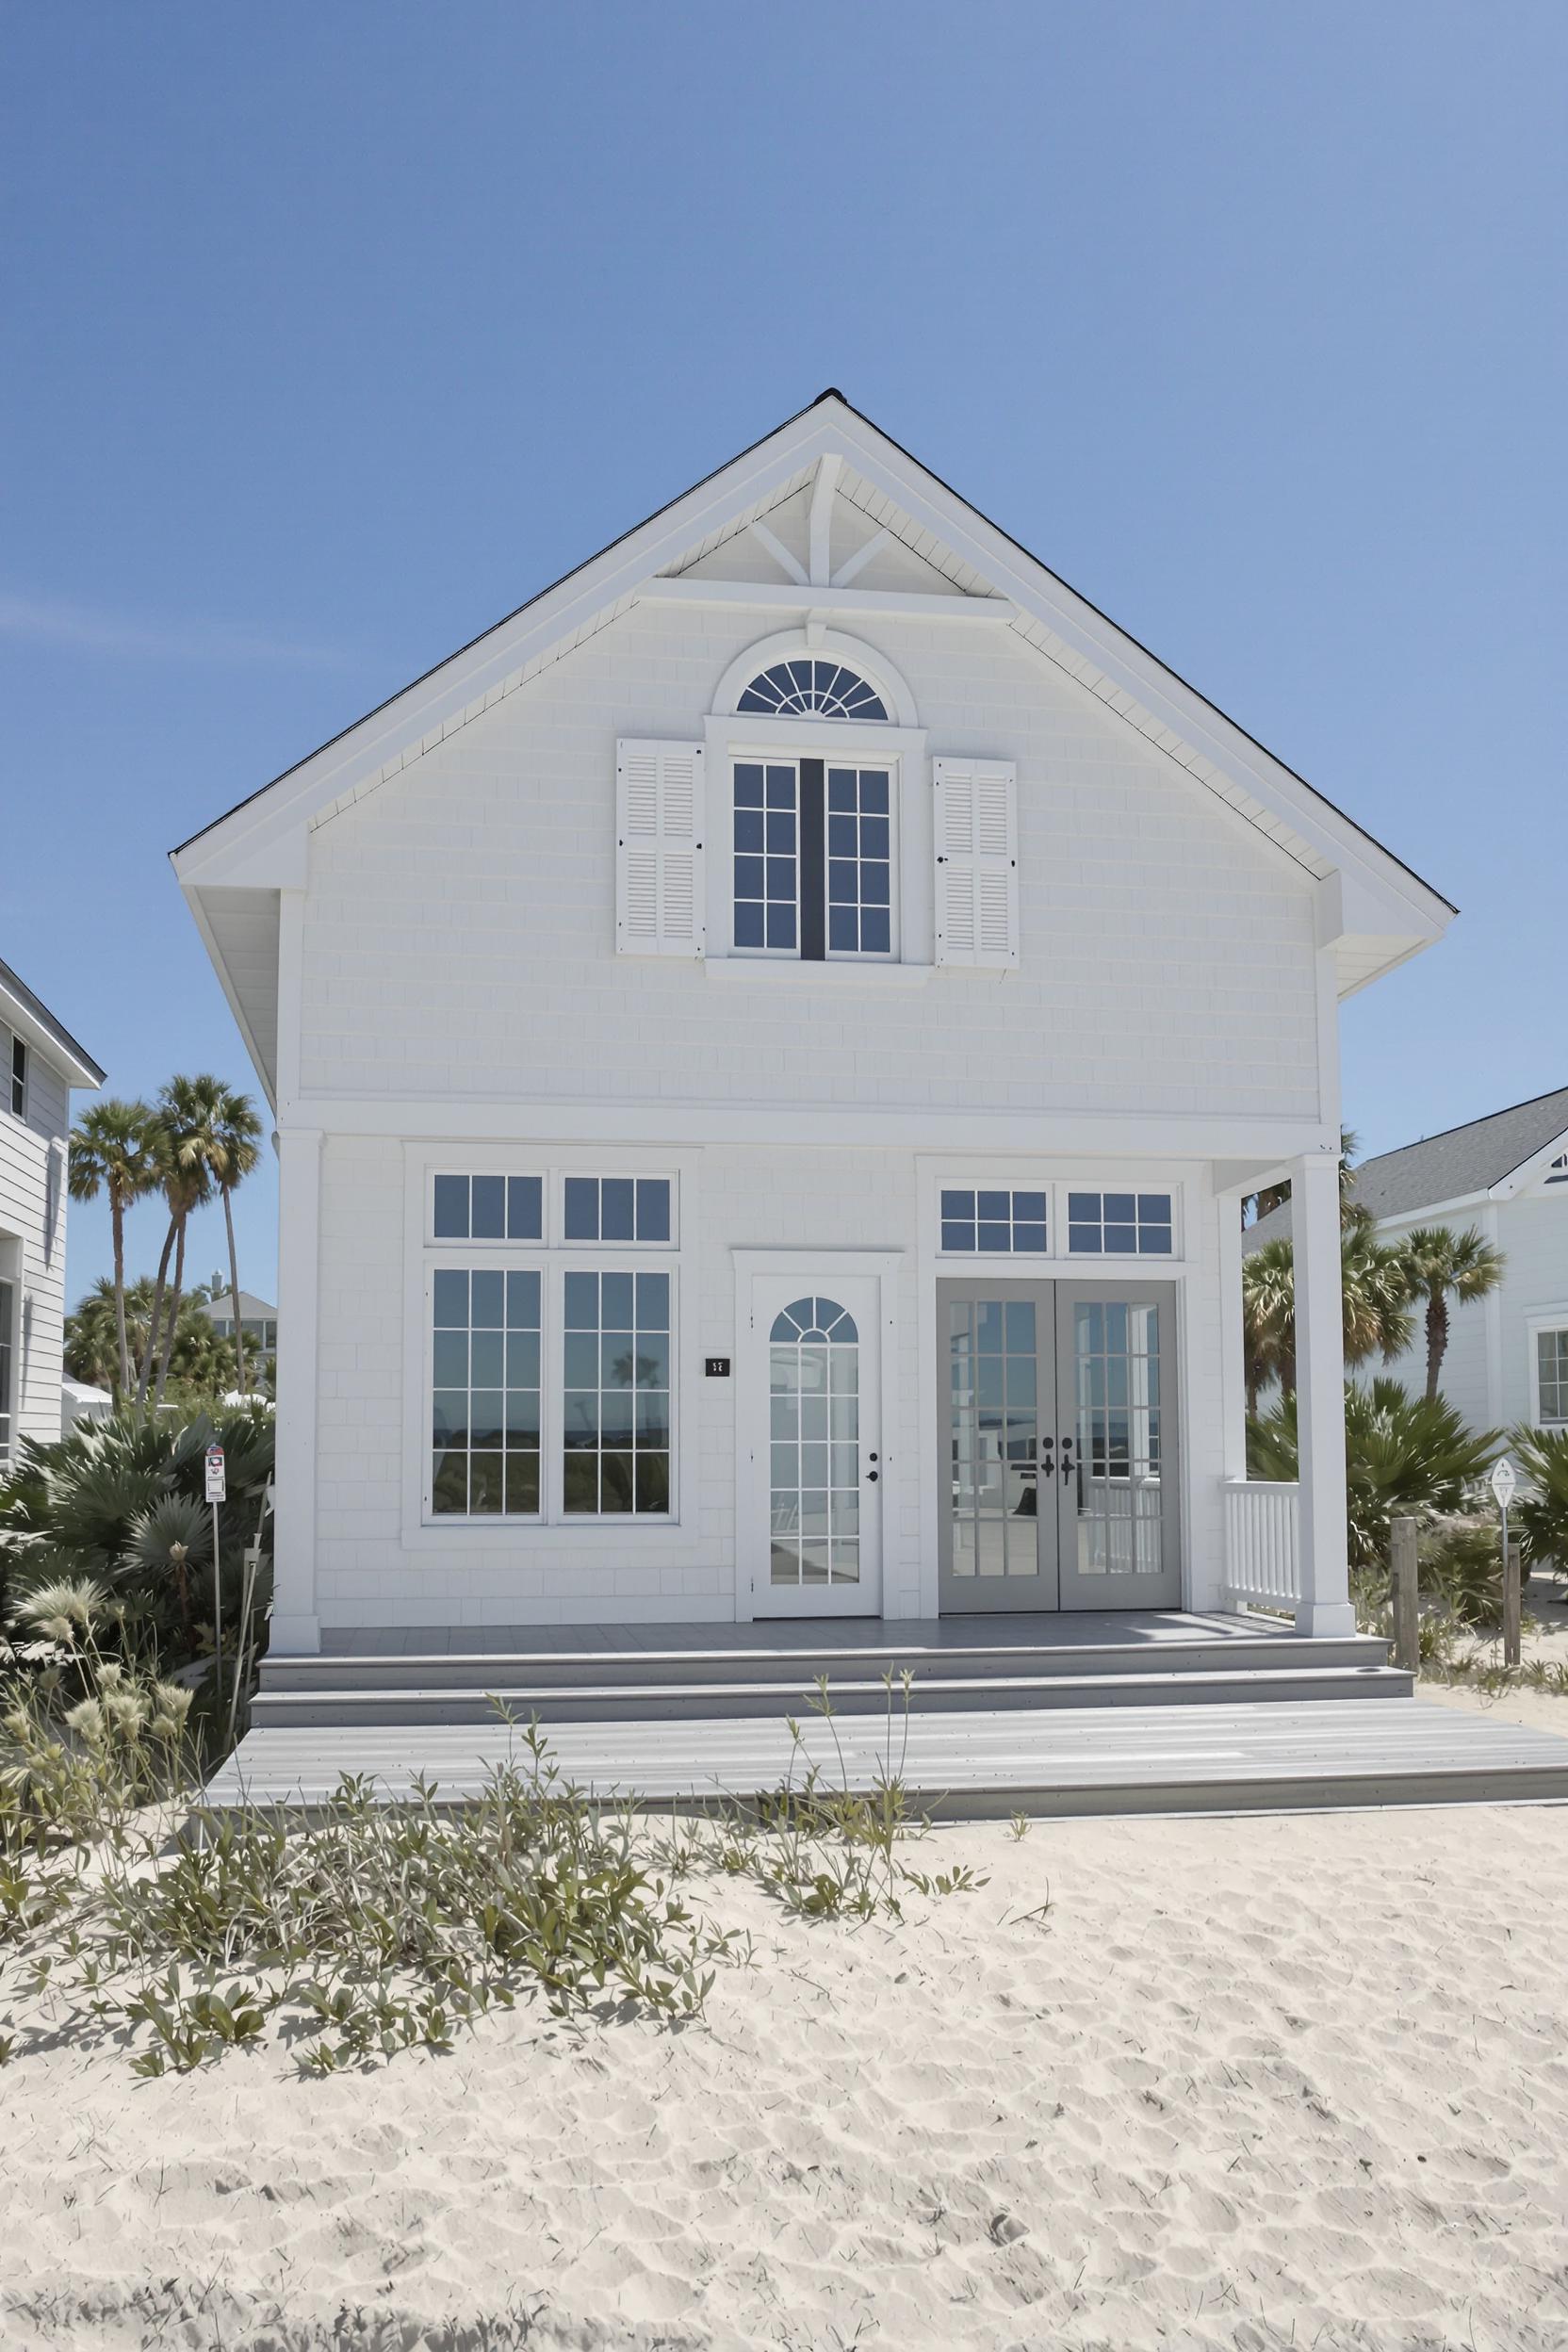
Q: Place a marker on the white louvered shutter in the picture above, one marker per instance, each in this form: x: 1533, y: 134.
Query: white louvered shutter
x: 661, y: 907
x: 976, y: 843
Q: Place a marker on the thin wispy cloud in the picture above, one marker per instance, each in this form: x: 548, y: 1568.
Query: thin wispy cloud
x: 83, y: 629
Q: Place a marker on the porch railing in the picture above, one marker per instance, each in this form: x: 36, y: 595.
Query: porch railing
x: 1262, y: 1541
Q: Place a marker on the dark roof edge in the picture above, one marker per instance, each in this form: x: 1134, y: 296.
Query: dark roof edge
x: 1484, y: 1120
x: 831, y: 393
x: 17, y: 988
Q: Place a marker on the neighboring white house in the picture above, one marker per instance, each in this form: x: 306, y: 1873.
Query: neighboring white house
x: 1507, y: 1175
x: 39, y: 1064
x: 767, y: 1045
x: 258, y: 1320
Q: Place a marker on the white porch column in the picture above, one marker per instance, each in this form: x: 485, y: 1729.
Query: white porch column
x: 1324, y: 1606
x: 295, y: 1624
x: 1233, y: 1358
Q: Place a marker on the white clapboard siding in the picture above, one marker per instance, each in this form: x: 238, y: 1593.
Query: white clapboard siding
x: 976, y: 846
x: 660, y: 897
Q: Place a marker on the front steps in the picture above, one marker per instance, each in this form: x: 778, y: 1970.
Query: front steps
x: 663, y: 1686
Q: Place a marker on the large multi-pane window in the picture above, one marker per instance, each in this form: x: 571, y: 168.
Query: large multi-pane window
x: 616, y: 1428
x: 813, y: 859
x: 550, y: 1388
x: 1551, y: 1364
x: 486, y: 1392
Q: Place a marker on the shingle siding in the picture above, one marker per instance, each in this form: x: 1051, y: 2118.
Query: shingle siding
x: 459, y: 932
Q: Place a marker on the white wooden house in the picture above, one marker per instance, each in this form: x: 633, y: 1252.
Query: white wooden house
x: 767, y: 1044
x: 1506, y: 1177
x: 39, y: 1064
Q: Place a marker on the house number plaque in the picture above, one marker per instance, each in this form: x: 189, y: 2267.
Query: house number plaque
x: 717, y: 1368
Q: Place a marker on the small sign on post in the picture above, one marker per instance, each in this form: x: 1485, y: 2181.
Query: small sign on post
x: 1504, y: 1482
x: 216, y: 1493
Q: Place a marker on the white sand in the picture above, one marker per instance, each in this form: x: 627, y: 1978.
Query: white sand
x: 1295, y: 2081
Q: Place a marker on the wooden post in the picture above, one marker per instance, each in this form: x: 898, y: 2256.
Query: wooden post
x: 1511, y: 1602
x: 1407, y: 1605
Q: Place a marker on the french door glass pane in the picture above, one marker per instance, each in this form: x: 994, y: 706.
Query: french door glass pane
x: 1116, y: 1350
x: 993, y: 1406
x: 814, y: 1414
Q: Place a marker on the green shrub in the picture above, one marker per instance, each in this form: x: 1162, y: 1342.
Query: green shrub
x: 1541, y: 1510
x: 119, y: 1502
x: 1403, y: 1454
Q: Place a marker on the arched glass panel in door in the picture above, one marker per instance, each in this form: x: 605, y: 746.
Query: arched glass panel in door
x: 814, y: 1410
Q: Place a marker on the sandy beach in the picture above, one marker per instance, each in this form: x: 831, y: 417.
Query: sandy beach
x: 1248, y: 2083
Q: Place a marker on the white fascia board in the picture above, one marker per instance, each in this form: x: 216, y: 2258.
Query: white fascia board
x: 423, y: 708
x: 1054, y: 1134
x: 22, y: 1022
x: 1458, y: 1206
x: 267, y: 1078
x: 1520, y: 1179
x: 779, y: 596
x: 630, y: 568
x: 1419, y: 909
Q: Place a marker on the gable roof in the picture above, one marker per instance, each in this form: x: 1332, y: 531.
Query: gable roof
x: 220, y: 1309
x: 1379, y: 912
x: 29, y: 1017
x: 1478, y: 1157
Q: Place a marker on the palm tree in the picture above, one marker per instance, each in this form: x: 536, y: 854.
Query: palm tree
x: 112, y: 1150
x: 1268, y: 1318
x: 224, y: 1136
x: 1374, y: 1288
x: 1403, y: 1454
x: 183, y: 1175
x: 1440, y: 1265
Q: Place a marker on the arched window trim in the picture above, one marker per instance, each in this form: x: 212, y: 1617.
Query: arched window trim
x: 825, y: 644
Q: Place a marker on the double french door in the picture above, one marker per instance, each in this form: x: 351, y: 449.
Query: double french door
x: 1057, y: 1445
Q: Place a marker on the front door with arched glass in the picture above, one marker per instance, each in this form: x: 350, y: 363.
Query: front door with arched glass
x: 812, y: 1531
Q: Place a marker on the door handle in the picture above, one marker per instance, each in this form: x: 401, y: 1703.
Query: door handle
x: 1067, y: 1458
x: 870, y: 1477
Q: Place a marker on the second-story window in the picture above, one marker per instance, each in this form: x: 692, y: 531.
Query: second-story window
x: 813, y: 859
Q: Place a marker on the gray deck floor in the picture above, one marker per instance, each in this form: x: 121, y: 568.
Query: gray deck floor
x: 1110, y: 1760
x: 1086, y: 1628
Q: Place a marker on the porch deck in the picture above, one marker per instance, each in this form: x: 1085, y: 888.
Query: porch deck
x: 1160, y: 1712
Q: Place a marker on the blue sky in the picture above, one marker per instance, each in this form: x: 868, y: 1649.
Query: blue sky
x: 332, y: 334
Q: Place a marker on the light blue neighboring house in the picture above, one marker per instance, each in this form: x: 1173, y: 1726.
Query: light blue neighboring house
x: 1507, y: 1175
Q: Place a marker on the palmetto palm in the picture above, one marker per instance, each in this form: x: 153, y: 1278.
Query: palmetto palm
x: 1403, y: 1454
x: 1268, y: 1318
x: 113, y: 1151
x: 223, y: 1135
x: 1441, y: 1265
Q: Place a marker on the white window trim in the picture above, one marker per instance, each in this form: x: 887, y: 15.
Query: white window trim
x: 1056, y: 1255
x: 10, y: 1405
x: 849, y: 742
x: 1543, y: 1319
x: 552, y: 1540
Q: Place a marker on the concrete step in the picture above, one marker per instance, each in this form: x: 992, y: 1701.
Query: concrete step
x: 654, y: 1700
x: 605, y: 1668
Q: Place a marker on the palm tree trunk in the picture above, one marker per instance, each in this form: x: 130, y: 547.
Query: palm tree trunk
x: 117, y: 1220
x: 173, y: 1311
x: 234, y: 1289
x: 155, y: 1318
x: 1437, y: 1338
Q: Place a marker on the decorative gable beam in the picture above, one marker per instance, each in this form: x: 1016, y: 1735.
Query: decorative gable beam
x: 856, y: 565
x: 789, y: 564
x: 770, y: 596
x: 821, y: 519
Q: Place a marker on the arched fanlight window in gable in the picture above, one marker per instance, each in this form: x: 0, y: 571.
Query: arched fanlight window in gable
x: 826, y: 689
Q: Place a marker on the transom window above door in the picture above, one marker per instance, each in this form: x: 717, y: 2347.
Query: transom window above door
x: 825, y: 689
x: 813, y: 859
